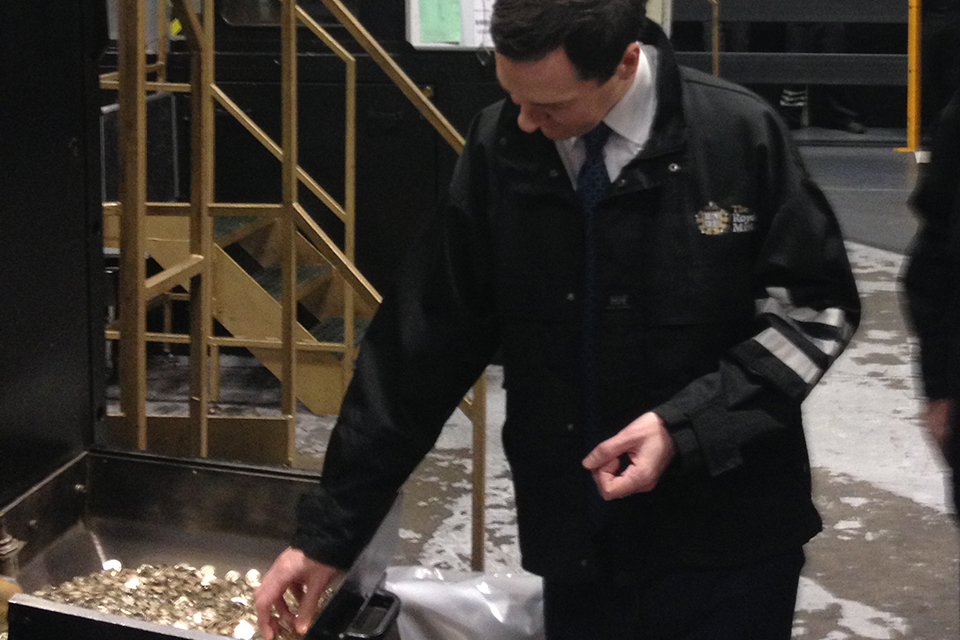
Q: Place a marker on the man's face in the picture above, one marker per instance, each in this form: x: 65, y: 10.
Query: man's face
x: 551, y: 97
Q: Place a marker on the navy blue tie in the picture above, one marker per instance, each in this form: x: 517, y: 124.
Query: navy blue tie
x: 593, y: 181
x: 592, y: 184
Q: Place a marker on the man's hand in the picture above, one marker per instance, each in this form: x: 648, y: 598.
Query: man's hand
x: 305, y: 577
x: 648, y: 445
x: 939, y: 421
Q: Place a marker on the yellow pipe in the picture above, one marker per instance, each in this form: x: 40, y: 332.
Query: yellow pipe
x: 913, y: 78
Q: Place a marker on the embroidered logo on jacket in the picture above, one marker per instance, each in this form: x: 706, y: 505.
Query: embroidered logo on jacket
x: 714, y: 220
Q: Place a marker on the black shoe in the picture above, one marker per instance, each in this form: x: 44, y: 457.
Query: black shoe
x: 855, y: 126
x: 850, y: 125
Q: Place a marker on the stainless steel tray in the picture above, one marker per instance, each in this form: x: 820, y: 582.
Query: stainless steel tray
x: 143, y: 509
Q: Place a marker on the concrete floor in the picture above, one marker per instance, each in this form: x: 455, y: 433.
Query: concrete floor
x: 886, y: 564
x: 868, y: 187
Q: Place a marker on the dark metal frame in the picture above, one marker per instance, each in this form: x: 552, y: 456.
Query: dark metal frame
x: 800, y: 68
x: 876, y: 11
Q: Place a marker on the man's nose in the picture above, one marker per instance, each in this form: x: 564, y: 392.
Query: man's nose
x: 529, y: 119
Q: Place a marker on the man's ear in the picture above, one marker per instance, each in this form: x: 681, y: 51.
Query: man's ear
x: 631, y: 60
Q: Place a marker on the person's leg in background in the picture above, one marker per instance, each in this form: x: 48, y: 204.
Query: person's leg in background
x: 794, y: 98
x: 831, y: 104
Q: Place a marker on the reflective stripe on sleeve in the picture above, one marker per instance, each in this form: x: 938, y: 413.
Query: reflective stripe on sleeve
x: 790, y: 355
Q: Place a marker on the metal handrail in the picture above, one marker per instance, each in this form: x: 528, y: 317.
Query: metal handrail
x: 395, y: 73
x: 715, y: 35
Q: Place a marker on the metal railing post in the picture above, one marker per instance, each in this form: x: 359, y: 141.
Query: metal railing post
x: 478, y: 417
x: 350, y: 220
x: 288, y: 298
x: 133, y: 196
x: 201, y: 226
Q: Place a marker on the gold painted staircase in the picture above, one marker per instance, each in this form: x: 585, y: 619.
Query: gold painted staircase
x: 247, y: 304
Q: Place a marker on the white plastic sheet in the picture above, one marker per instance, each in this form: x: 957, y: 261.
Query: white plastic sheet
x: 437, y: 605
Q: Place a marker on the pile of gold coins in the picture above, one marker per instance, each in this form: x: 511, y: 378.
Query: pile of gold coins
x: 180, y: 596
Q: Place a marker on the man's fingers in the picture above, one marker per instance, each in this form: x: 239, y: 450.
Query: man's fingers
x: 606, y: 453
x: 291, y: 570
x: 939, y: 421
x: 603, y: 476
x: 264, y: 599
x: 287, y: 619
x: 633, y: 479
x: 609, y: 468
x: 268, y: 629
x: 612, y: 487
x: 632, y: 460
x: 308, y: 605
x: 266, y: 605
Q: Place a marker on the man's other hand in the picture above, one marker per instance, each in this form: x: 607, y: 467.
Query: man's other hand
x: 938, y: 419
x: 648, y: 446
x: 307, y: 579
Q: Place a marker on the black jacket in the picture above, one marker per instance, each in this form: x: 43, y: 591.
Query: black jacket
x: 727, y: 293
x: 932, y: 280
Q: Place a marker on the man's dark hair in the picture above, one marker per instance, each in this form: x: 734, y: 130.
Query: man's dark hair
x: 593, y: 33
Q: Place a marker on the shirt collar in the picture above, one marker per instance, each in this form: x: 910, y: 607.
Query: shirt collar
x: 639, y: 98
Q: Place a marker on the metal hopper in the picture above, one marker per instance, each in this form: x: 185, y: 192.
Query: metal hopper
x: 148, y: 510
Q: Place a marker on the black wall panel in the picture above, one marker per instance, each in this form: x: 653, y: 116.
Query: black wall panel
x: 51, y: 325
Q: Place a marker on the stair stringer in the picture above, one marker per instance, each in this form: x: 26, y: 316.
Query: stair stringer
x: 246, y: 310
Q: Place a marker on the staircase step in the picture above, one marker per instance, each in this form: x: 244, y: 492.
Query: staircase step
x: 271, y: 278
x: 225, y: 225
x: 331, y: 329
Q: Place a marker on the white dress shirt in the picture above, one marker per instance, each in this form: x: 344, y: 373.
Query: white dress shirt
x: 630, y: 120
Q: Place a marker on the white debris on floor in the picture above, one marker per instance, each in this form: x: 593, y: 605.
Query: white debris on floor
x: 853, y: 619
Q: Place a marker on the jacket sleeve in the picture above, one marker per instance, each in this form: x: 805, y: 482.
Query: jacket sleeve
x: 427, y: 344
x: 807, y: 309
x: 930, y: 281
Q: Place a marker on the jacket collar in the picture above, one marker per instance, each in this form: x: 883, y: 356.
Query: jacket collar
x: 669, y: 126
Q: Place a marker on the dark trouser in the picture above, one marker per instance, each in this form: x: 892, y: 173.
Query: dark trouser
x: 830, y: 105
x: 748, y: 603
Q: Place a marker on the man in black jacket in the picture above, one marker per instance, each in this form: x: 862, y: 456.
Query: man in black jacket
x: 666, y: 285
x: 932, y: 286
